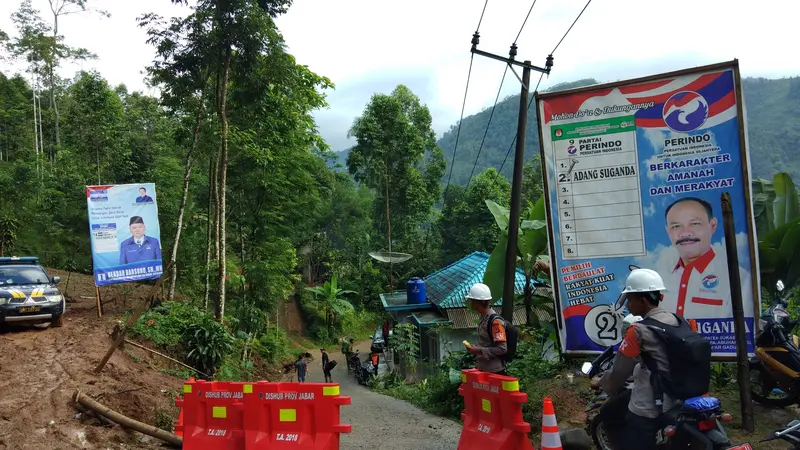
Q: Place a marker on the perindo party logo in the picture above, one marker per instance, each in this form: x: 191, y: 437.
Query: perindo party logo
x: 685, y: 111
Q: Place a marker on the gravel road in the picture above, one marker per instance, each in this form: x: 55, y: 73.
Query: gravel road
x: 382, y: 422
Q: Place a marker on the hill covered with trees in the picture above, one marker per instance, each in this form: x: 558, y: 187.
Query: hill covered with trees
x: 772, y: 109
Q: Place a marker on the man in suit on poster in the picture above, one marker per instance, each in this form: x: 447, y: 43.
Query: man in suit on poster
x: 139, y: 247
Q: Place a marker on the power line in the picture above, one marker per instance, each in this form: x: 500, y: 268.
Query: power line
x: 570, y: 27
x: 481, y: 19
x: 525, y: 21
x: 463, y: 106
x: 486, y: 131
x: 513, y: 141
x: 537, y: 87
x: 491, y: 114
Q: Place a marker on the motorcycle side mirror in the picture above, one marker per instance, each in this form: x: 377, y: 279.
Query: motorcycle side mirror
x: 586, y: 368
x: 780, y: 286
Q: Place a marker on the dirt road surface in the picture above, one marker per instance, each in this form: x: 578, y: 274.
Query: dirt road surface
x: 40, y: 369
x: 382, y: 422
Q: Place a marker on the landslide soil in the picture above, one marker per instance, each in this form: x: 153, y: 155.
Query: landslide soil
x: 41, y: 368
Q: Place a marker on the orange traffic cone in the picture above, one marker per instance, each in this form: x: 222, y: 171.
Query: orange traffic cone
x: 550, y: 437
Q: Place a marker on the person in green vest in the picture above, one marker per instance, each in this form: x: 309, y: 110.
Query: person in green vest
x: 346, y: 350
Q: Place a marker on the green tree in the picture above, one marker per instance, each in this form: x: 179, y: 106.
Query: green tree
x: 464, y: 225
x: 397, y: 157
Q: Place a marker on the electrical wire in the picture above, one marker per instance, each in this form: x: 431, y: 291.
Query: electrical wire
x: 508, y: 153
x: 458, y: 131
x: 463, y: 106
x: 486, y: 131
x: 513, y: 141
x: 524, y: 21
x: 570, y: 27
x: 491, y: 114
x: 481, y: 19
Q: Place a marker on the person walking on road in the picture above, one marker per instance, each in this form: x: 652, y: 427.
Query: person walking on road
x: 326, y: 370
x: 491, y: 348
x: 346, y: 350
x: 302, y: 368
x: 385, y: 332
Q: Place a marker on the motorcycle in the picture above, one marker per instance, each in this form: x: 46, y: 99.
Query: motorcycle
x: 354, y: 362
x: 775, y: 368
x: 363, y: 370
x: 790, y: 434
x: 695, y: 424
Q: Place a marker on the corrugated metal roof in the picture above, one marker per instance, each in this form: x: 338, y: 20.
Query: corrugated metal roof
x: 448, y: 287
x: 465, y: 318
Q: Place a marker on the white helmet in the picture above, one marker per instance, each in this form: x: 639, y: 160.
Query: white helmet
x: 479, y: 291
x: 641, y: 280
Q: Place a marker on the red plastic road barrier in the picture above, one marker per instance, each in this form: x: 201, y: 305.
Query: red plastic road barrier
x: 492, y: 413
x: 179, y: 422
x: 299, y: 416
x: 213, y: 414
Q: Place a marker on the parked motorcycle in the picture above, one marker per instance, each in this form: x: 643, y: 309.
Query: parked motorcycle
x: 775, y: 369
x: 693, y: 425
x: 790, y: 434
x: 354, y: 362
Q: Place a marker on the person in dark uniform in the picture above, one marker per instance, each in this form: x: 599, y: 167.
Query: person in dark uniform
x: 143, y: 197
x: 326, y: 370
x: 139, y: 247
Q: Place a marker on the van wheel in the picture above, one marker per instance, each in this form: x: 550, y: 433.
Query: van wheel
x: 57, y: 322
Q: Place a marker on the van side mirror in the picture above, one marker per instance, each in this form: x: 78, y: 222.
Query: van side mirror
x: 56, y: 280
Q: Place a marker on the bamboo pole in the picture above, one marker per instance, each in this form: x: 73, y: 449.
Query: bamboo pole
x: 164, y: 356
x: 125, y: 421
x: 142, y: 308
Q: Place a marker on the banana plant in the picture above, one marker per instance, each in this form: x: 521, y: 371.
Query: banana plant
x: 531, y: 246
x: 333, y: 300
x: 777, y: 215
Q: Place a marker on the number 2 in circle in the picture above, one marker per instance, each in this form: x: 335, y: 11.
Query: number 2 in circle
x: 607, y: 324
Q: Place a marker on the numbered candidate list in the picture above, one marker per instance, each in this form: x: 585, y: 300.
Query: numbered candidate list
x: 598, y: 189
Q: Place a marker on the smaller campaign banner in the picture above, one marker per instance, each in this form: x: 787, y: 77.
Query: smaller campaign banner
x: 123, y: 224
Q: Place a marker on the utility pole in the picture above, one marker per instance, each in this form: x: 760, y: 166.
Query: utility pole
x: 519, y: 162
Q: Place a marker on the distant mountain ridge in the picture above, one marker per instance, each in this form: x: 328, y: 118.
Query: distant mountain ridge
x: 773, y: 121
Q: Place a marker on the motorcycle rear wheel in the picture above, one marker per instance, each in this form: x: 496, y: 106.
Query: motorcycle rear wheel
x: 760, y: 377
x: 599, y: 435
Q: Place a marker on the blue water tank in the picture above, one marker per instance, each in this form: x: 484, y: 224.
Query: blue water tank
x: 415, y: 291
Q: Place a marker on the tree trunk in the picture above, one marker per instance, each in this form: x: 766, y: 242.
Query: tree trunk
x: 209, y: 218
x: 223, y: 170
x: 56, y: 116
x: 182, y: 208
x: 528, y: 305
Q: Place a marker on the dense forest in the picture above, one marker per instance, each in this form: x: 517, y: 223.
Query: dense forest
x: 771, y: 107
x: 247, y: 201
x: 250, y: 195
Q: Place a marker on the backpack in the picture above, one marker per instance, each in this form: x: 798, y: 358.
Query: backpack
x: 689, y: 356
x: 511, y: 337
x: 331, y: 364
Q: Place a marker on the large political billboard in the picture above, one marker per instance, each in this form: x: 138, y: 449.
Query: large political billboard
x: 634, y: 172
x: 126, y: 239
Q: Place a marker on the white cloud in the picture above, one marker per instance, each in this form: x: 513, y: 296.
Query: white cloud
x: 355, y: 41
x: 649, y: 210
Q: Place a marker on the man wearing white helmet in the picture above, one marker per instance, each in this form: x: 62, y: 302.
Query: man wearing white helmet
x: 491, y: 348
x: 643, y: 292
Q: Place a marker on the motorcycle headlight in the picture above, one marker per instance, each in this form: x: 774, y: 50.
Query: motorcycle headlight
x: 53, y: 298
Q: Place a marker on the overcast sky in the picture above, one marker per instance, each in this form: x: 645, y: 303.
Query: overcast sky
x: 368, y: 46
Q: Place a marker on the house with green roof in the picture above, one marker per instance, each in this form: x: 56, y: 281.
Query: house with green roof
x: 444, y: 320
